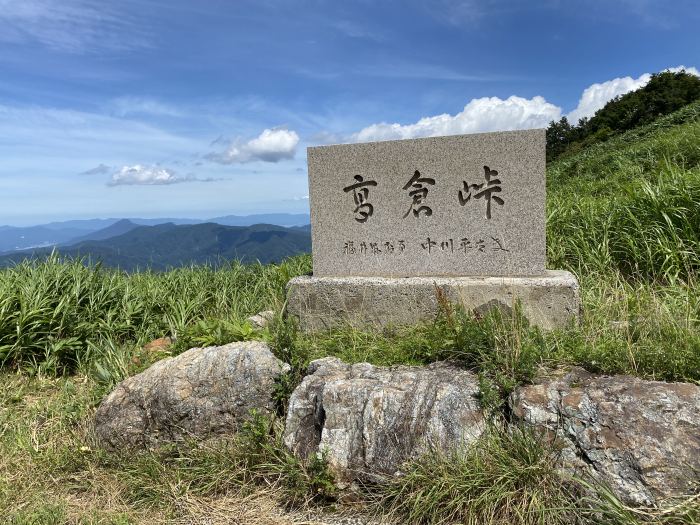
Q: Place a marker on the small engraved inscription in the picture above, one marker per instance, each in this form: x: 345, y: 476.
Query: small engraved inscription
x: 464, y: 245
x: 392, y: 247
x: 498, y: 245
x: 428, y: 244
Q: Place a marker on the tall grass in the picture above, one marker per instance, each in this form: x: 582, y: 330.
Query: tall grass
x: 650, y: 230
x: 631, y: 208
x: 59, y: 313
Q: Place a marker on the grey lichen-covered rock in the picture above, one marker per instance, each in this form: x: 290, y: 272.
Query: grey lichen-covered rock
x: 261, y: 319
x: 202, y: 392
x: 641, y: 438
x: 368, y: 419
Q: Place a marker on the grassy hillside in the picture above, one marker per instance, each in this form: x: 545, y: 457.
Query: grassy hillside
x: 665, y: 93
x: 630, y: 205
x: 623, y: 215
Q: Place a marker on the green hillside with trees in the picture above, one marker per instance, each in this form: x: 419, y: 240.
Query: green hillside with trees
x: 665, y: 93
x: 623, y: 214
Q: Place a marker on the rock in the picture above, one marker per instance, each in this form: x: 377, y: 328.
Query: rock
x: 159, y: 345
x: 641, y: 438
x: 261, y: 319
x: 202, y: 392
x: 369, y: 419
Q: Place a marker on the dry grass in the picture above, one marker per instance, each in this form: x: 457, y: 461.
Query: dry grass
x: 53, y: 472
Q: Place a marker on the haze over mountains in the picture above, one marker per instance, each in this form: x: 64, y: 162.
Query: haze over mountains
x: 15, y: 238
x: 158, y: 244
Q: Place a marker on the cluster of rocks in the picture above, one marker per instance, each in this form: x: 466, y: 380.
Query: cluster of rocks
x: 641, y: 438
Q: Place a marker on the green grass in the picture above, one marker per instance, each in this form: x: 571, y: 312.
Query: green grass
x: 630, y: 205
x: 507, y: 477
x: 60, y: 315
x: 510, y: 476
x: 624, y: 216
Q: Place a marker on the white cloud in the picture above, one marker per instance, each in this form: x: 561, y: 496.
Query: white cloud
x: 596, y: 96
x: 691, y: 70
x: 74, y: 26
x: 272, y: 145
x: 150, y: 176
x: 495, y: 114
x: 481, y: 114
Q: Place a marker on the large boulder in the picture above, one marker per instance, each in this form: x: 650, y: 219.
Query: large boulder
x: 368, y: 419
x: 641, y: 438
x: 202, y: 392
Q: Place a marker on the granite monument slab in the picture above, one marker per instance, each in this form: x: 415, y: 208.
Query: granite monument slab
x: 400, y: 226
x: 464, y: 205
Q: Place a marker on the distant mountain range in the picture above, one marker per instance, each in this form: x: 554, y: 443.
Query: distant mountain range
x: 130, y: 246
x: 118, y: 228
x: 65, y: 233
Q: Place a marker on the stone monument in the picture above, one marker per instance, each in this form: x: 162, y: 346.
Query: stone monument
x: 397, y: 224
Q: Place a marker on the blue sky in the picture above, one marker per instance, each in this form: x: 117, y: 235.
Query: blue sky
x: 200, y: 108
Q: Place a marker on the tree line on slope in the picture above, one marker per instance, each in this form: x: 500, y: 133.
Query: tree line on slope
x: 665, y: 93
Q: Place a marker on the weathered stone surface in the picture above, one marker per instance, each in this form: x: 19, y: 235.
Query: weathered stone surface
x: 202, y: 392
x: 642, y: 438
x: 549, y: 301
x: 261, y: 319
x: 426, y: 208
x: 369, y: 419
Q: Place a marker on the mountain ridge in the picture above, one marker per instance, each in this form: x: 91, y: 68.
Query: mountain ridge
x: 169, y: 245
x: 66, y: 233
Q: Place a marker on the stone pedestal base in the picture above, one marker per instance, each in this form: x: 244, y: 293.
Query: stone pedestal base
x: 549, y: 301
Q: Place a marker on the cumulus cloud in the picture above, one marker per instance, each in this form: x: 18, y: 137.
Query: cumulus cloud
x: 595, y: 96
x: 481, y: 114
x: 495, y: 114
x: 150, y: 176
x: 272, y: 145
